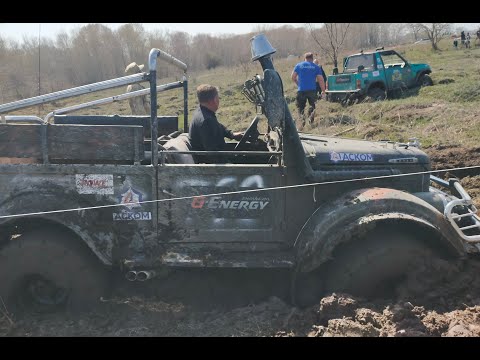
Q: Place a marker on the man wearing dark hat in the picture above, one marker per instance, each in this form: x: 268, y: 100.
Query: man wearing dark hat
x: 140, y: 105
x: 305, y: 75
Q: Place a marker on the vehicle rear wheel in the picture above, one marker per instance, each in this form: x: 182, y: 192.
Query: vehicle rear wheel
x: 47, y: 271
x: 425, y: 80
x: 376, y: 266
x: 376, y: 94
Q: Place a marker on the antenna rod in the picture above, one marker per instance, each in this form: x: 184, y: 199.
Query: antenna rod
x: 39, y: 27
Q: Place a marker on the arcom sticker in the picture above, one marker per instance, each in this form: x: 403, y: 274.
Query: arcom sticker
x: 376, y: 73
x: 132, y: 215
x: 335, y: 157
x: 101, y: 184
x: 131, y: 199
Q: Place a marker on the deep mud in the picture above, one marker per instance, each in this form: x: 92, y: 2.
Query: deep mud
x: 442, y: 299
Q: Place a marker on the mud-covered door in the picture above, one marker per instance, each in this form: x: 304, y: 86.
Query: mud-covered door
x: 398, y: 72
x: 221, y: 204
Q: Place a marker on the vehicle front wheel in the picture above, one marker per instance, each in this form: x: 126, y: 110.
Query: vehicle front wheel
x: 377, y: 265
x: 425, y: 80
x: 47, y: 271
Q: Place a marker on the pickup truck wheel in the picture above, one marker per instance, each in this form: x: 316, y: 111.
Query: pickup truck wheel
x: 377, y: 266
x: 425, y: 80
x: 376, y: 94
x: 47, y: 271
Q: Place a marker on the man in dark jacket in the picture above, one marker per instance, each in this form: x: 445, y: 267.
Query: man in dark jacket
x: 206, y: 133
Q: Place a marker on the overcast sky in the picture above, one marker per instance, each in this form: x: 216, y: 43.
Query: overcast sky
x: 18, y: 30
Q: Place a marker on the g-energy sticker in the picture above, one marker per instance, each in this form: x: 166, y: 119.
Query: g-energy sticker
x: 216, y: 202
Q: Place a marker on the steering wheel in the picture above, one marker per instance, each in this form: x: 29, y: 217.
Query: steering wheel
x: 249, y: 133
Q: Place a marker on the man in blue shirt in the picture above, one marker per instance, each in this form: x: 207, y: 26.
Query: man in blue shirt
x: 305, y: 75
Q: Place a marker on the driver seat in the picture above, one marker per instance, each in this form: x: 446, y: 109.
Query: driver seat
x: 180, y: 143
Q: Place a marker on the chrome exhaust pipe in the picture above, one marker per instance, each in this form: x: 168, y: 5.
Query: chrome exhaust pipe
x: 146, y: 275
x: 131, y: 275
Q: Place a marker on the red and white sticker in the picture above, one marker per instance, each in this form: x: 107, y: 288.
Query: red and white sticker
x: 100, y: 184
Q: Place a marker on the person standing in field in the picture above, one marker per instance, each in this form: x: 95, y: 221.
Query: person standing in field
x: 139, y: 105
x: 319, y: 89
x: 305, y: 74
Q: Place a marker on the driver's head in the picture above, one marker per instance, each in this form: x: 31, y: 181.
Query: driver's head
x: 208, y: 96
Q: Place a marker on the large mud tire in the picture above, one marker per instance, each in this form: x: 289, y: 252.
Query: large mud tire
x: 375, y: 94
x: 425, y: 80
x: 376, y: 266
x: 49, y: 271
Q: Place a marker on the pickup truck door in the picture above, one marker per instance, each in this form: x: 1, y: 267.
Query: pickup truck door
x: 398, y: 72
x: 227, y: 216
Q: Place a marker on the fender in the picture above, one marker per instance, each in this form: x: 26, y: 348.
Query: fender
x: 421, y: 73
x: 358, y: 212
x: 101, y: 240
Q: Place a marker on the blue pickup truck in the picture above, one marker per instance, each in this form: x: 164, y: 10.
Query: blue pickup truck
x: 375, y: 75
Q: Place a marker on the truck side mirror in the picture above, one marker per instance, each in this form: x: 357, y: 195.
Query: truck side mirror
x: 335, y: 71
x: 360, y: 68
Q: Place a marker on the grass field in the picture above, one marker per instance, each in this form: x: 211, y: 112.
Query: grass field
x: 447, y: 113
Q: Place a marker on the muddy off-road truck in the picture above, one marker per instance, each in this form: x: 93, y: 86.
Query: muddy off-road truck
x: 84, y: 197
x: 374, y: 76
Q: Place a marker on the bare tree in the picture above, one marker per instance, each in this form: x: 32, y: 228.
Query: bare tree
x: 435, y: 32
x: 330, y: 39
x: 415, y: 29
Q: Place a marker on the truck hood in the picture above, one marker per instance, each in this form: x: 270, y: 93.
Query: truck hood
x: 417, y: 67
x: 323, y: 151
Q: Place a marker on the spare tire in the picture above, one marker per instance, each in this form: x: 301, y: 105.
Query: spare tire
x: 50, y: 270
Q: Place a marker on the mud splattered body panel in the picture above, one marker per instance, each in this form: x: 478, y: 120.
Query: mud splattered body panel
x: 121, y: 226
x: 254, y: 216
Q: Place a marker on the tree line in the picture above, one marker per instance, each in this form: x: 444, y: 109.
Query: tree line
x: 95, y: 52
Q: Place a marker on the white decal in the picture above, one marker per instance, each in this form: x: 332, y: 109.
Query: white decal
x: 250, y: 181
x: 253, y: 181
x: 132, y: 215
x: 131, y: 198
x: 364, y: 75
x: 226, y: 181
x: 380, y: 66
x: 334, y: 156
x: 94, y: 184
x: 376, y: 73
